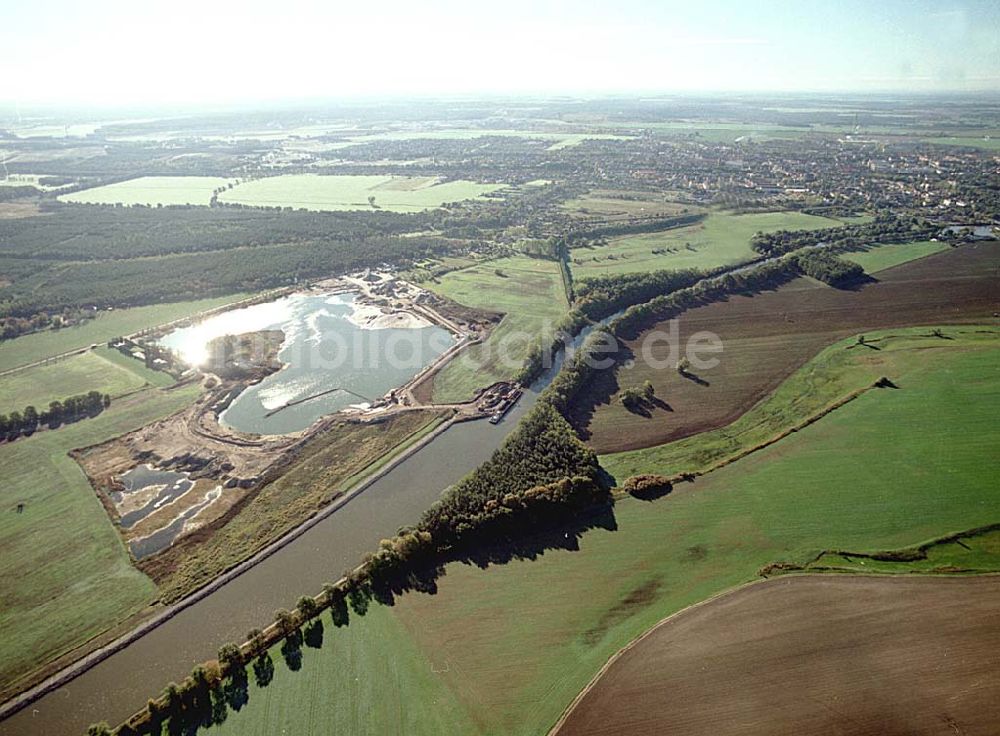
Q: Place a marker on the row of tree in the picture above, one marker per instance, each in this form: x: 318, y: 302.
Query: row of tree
x: 885, y: 228
x: 577, y: 373
x: 763, y: 276
x: 11, y: 327
x: 203, y: 698
x: 541, y: 467
x: 81, y: 256
x: 828, y: 268
x: 602, y: 296
x: 596, y: 299
x: 70, y: 409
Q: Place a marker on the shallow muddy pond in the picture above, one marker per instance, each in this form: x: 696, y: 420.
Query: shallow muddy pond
x: 329, y: 361
x: 165, y: 536
x: 148, y: 490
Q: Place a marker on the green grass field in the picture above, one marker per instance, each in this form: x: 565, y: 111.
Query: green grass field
x: 64, y: 570
x: 605, y: 204
x: 976, y: 553
x: 151, y: 190
x: 832, y: 375
x: 722, y: 239
x: 308, y: 191
x: 315, y: 192
x: 506, y: 648
x: 881, y: 257
x: 42, y: 345
x: 375, y: 662
x: 530, y: 294
x: 101, y: 369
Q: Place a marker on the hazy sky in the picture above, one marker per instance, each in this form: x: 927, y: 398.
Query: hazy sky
x: 138, y: 52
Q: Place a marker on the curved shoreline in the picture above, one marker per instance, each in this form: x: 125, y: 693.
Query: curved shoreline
x: 95, y: 656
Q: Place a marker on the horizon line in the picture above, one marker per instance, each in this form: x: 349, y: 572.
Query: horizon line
x: 485, y: 95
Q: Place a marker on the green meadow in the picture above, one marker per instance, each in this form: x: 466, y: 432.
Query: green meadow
x: 506, y: 648
x: 327, y: 193
x: 836, y: 372
x: 151, y: 191
x: 299, y: 191
x: 100, y: 369
x: 529, y: 291
x: 721, y: 239
x: 880, y: 257
x: 73, y: 576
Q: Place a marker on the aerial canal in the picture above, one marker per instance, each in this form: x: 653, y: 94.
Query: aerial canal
x: 121, y: 684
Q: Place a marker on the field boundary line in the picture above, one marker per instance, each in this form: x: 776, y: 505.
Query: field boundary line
x: 73, y: 670
x: 892, y: 555
x: 639, y: 639
x: 554, y: 731
x: 774, y: 439
x: 809, y: 420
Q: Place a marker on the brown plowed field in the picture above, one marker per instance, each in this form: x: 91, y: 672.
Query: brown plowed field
x: 768, y: 336
x: 851, y: 656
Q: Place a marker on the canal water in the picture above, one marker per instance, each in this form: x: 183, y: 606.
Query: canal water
x: 121, y: 684
x: 328, y: 361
